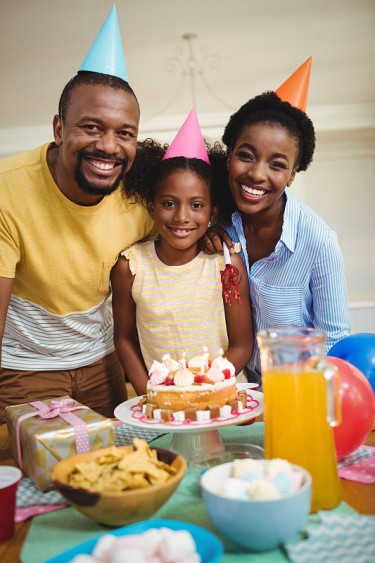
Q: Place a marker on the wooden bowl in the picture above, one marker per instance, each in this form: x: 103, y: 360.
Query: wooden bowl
x: 117, y: 508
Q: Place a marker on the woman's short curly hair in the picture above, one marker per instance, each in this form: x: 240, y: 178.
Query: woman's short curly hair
x: 269, y: 108
x: 148, y: 170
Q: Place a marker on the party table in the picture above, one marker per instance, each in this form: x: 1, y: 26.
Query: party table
x: 38, y: 539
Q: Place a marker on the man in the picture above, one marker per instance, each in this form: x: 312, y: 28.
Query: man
x: 63, y: 222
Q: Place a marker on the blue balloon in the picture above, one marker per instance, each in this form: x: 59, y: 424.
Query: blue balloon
x: 358, y: 350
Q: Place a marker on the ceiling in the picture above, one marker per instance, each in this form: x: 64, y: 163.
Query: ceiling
x: 257, y: 45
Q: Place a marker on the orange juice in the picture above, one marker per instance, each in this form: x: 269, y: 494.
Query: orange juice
x: 296, y: 429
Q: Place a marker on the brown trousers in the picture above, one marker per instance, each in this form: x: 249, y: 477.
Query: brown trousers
x: 100, y: 386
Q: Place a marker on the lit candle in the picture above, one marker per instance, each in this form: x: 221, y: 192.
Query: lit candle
x: 204, y: 360
x: 183, y: 361
x: 165, y: 359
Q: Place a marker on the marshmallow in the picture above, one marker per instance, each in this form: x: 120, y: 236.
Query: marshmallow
x: 151, y: 541
x: 130, y: 554
x: 203, y: 416
x: 276, y: 466
x: 261, y: 479
x: 161, y: 545
x: 263, y: 490
x: 297, y: 479
x: 234, y: 488
x: 176, y: 545
x: 103, y: 546
x: 241, y: 465
x: 284, y: 483
x: 225, y: 410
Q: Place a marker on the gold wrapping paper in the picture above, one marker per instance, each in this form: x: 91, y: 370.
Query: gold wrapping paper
x: 44, y: 442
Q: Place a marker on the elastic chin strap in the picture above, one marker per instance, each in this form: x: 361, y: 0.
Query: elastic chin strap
x: 230, y: 279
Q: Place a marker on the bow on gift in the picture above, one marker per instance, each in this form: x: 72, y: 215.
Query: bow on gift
x: 63, y: 409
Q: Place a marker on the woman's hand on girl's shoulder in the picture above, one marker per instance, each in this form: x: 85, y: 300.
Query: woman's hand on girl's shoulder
x: 212, y: 241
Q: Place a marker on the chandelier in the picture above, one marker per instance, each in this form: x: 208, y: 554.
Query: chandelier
x: 193, y: 69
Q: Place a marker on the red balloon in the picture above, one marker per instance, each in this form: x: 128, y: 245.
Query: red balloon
x: 357, y: 408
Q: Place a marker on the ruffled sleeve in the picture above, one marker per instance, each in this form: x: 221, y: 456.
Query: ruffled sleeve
x: 132, y: 254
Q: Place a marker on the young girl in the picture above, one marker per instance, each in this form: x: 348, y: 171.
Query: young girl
x: 167, y: 295
x: 294, y: 264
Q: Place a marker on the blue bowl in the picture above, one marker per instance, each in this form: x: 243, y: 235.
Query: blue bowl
x: 255, y: 525
x: 208, y: 545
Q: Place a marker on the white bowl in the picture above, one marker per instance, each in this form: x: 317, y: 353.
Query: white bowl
x: 255, y: 525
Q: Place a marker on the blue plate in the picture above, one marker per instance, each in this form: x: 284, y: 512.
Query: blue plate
x: 208, y: 546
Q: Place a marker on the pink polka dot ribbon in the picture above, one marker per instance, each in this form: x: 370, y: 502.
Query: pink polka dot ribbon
x: 63, y: 409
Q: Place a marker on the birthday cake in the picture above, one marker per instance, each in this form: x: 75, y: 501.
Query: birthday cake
x: 199, y: 390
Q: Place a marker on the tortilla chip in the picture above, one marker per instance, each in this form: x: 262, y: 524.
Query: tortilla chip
x: 120, y: 471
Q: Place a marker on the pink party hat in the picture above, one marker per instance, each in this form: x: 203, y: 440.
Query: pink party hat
x: 189, y: 141
x: 296, y: 88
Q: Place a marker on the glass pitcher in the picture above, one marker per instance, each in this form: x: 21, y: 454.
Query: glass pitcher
x: 301, y: 404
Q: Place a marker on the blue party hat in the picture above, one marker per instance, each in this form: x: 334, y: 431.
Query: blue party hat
x: 106, y: 55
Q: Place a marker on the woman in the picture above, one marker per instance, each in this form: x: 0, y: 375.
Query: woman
x: 293, y: 261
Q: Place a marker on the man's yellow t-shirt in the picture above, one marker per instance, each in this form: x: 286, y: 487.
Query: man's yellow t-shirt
x: 60, y: 255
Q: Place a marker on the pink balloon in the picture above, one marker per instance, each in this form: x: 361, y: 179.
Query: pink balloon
x: 357, y: 408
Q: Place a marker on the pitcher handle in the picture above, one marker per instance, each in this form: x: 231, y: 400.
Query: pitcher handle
x: 332, y: 377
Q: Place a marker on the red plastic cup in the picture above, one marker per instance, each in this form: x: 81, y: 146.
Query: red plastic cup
x: 9, y: 479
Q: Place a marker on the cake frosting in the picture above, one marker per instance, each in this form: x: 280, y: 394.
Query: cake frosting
x: 199, y: 389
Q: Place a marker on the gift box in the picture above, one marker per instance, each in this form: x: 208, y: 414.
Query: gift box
x: 41, y: 433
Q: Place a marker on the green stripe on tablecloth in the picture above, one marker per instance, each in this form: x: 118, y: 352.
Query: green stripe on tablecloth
x: 56, y: 532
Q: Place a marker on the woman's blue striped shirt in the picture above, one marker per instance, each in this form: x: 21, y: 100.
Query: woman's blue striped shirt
x: 302, y: 283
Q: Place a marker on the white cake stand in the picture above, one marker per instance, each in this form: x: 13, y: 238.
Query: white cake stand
x: 189, y: 437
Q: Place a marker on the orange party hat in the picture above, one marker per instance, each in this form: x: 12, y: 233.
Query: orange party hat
x: 296, y: 88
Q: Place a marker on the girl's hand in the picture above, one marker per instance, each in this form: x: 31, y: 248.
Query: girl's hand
x: 212, y: 242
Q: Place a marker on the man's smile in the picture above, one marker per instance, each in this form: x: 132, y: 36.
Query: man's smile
x: 102, y: 165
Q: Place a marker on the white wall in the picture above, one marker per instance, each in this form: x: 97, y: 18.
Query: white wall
x: 340, y: 187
